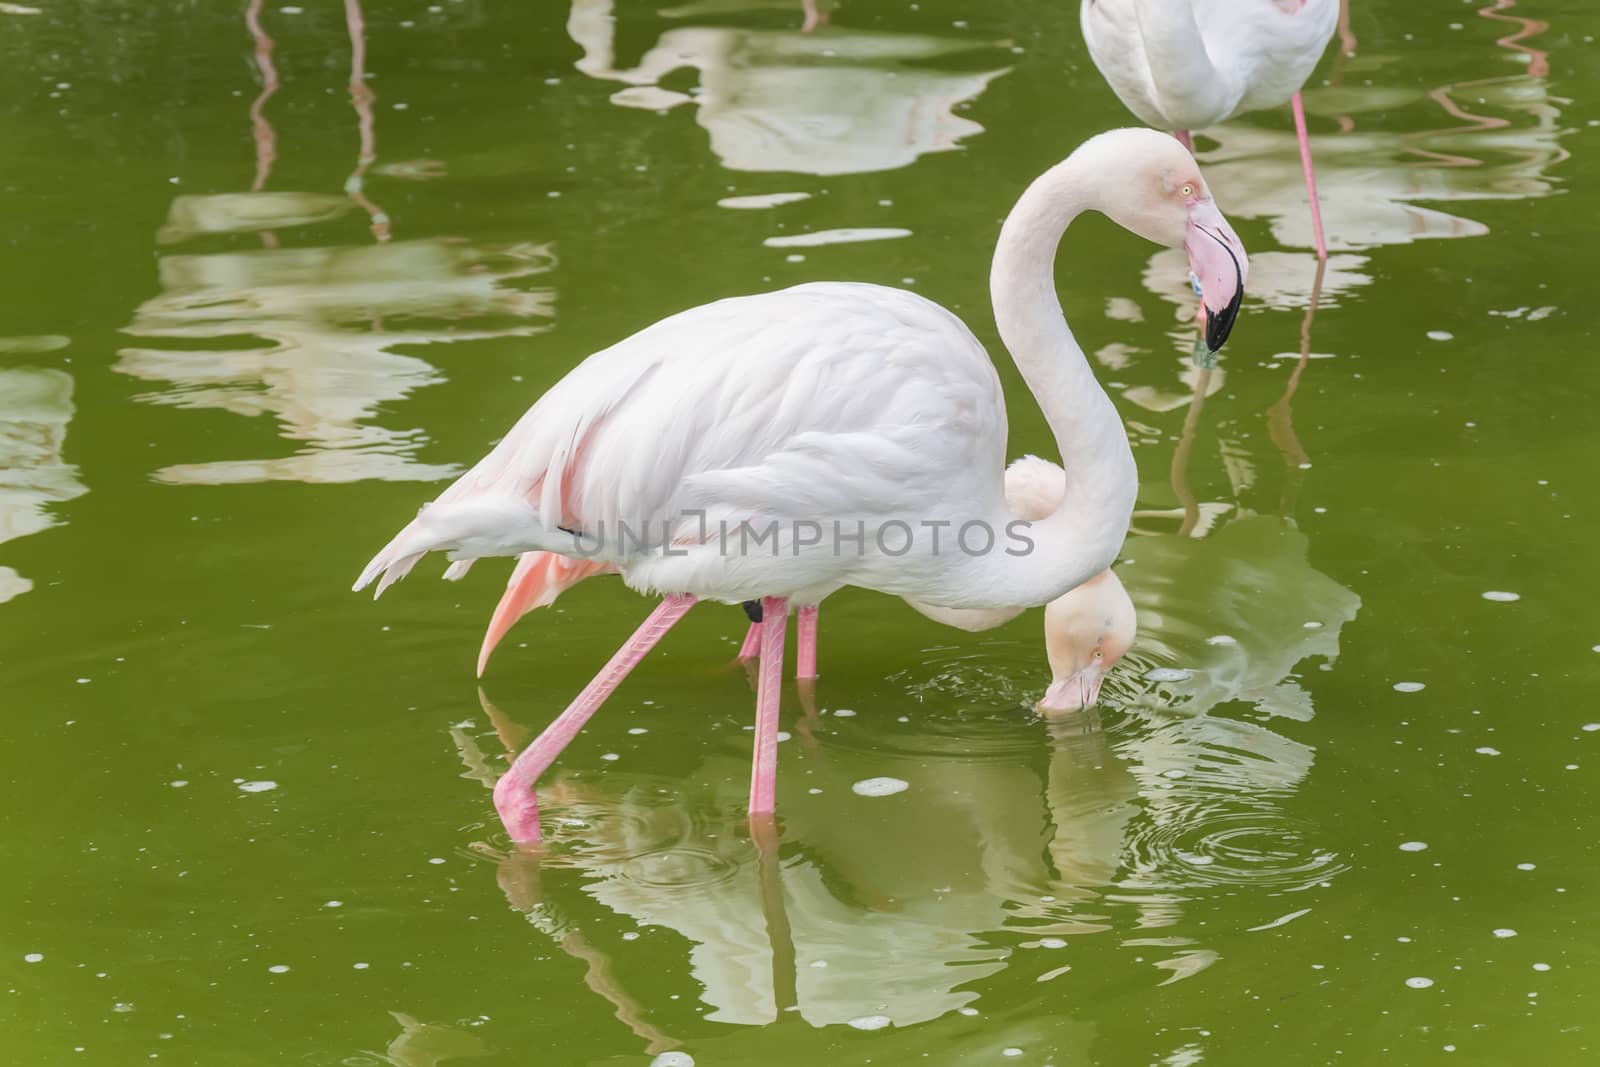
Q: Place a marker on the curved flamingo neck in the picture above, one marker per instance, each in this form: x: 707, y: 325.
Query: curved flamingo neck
x: 1082, y: 535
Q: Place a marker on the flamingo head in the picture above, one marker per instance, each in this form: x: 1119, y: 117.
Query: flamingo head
x: 1152, y: 185
x: 1086, y: 631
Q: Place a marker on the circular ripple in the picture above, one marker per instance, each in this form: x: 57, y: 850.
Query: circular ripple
x: 680, y: 866
x: 1191, y: 844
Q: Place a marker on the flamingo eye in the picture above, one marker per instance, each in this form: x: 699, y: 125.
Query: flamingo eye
x: 1188, y: 189
x: 1098, y: 654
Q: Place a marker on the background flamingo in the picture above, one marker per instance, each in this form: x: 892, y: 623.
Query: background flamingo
x: 1088, y: 629
x: 842, y: 403
x: 1183, y: 65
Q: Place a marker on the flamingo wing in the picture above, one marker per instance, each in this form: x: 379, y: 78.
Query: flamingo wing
x: 820, y: 402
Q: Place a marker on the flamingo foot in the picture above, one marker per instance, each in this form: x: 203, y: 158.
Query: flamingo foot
x: 513, y: 793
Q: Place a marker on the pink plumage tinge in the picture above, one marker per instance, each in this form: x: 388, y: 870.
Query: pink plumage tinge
x: 539, y: 578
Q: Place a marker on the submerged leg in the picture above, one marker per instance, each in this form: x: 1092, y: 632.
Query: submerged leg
x: 1184, y: 139
x: 806, y: 653
x: 1311, y: 178
x: 513, y: 794
x: 764, y: 762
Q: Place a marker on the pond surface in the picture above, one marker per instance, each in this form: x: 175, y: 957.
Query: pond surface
x: 1341, y: 804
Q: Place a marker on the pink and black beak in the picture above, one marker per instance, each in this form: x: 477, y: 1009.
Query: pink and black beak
x: 1218, y: 262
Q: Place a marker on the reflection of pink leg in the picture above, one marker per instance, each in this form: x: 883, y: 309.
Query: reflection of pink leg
x: 513, y: 793
x: 1184, y: 139
x: 764, y: 763
x: 1311, y: 178
x: 806, y: 655
x: 752, y: 642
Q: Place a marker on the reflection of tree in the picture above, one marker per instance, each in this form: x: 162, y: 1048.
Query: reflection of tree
x: 35, y: 407
x: 833, y: 101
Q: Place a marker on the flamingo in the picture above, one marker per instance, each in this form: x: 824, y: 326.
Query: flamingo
x: 1088, y: 629
x: 866, y: 408
x: 1186, y: 64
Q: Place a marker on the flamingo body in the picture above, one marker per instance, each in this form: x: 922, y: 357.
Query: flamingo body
x: 1188, y: 64
x: 824, y: 410
x: 823, y: 402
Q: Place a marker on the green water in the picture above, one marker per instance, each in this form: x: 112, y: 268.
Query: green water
x: 241, y: 340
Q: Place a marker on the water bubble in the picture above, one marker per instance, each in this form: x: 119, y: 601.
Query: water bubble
x: 870, y: 1022
x: 1013, y: 1051
x: 843, y: 713
x: 1525, y: 866
x: 1505, y: 932
x: 673, y: 1059
x: 609, y: 756
x: 1168, y: 674
x: 360, y: 966
x: 1222, y: 639
x: 333, y: 904
x: 1541, y: 966
x: 1413, y: 846
x: 1052, y: 942
x: 257, y: 787
x: 880, y: 787
x: 1591, y: 727
x: 33, y: 957
x: 279, y: 968
x: 1409, y: 687
x: 1485, y: 750
x: 1419, y: 983
x: 1502, y: 597
x: 1441, y: 335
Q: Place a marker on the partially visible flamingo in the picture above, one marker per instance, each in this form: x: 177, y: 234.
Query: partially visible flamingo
x: 1087, y: 629
x: 848, y: 406
x: 1183, y: 65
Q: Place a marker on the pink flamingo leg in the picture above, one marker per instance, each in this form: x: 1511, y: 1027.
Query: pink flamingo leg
x: 514, y: 798
x: 752, y: 642
x: 806, y: 655
x: 764, y: 763
x: 1311, y: 177
x: 1184, y: 139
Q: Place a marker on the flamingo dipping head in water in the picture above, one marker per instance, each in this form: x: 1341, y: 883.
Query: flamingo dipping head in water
x: 867, y: 412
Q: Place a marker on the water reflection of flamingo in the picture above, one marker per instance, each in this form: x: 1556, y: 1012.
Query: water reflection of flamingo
x: 35, y: 408
x: 868, y: 405
x: 840, y: 102
x: 1190, y: 64
x: 1379, y: 184
x: 322, y: 378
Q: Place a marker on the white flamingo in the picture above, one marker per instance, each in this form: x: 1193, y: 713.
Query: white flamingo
x: 867, y: 412
x: 1088, y: 629
x: 1184, y: 65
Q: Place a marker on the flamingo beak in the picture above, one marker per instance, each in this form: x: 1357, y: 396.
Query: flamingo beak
x: 1217, y: 260
x: 1076, y: 692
